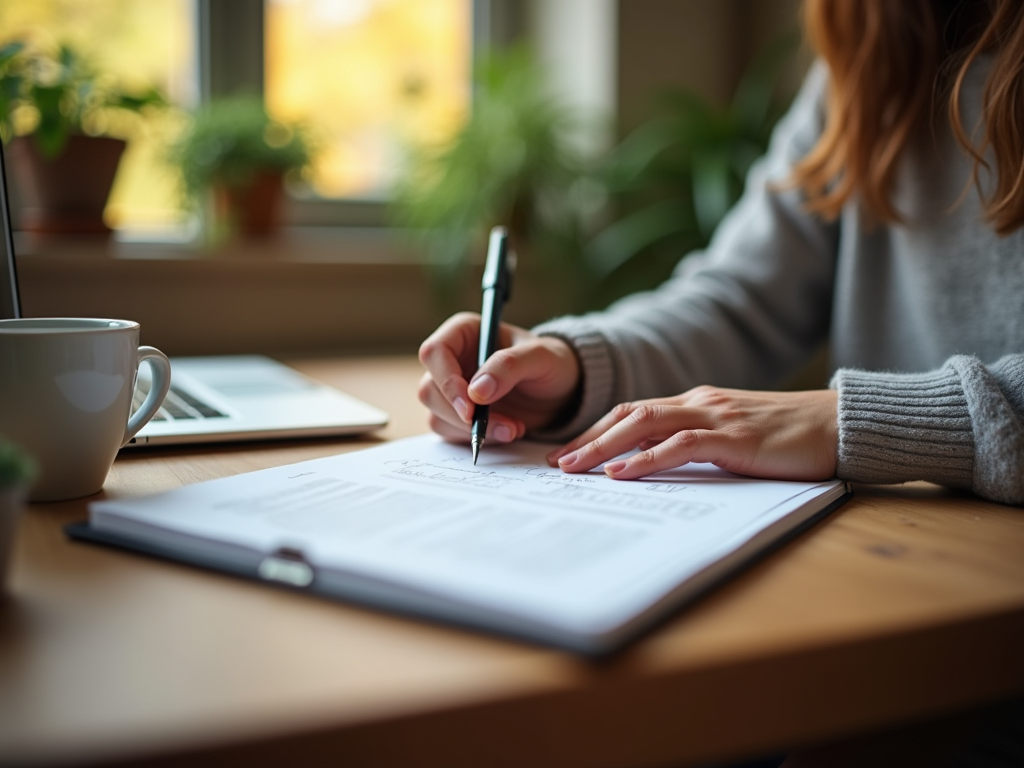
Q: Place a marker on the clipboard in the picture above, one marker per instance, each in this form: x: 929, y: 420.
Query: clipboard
x: 287, y: 568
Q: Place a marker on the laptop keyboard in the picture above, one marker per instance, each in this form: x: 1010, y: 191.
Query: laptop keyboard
x: 178, y: 405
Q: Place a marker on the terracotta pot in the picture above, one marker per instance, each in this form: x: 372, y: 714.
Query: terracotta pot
x: 251, y: 210
x: 65, y: 195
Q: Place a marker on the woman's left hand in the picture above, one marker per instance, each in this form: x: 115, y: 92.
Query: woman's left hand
x: 779, y: 435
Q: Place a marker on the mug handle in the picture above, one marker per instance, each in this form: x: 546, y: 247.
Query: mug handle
x: 161, y: 368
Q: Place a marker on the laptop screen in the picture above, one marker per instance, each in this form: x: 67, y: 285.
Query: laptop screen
x: 10, y: 306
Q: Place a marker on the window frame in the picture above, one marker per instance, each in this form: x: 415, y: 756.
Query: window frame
x: 230, y: 35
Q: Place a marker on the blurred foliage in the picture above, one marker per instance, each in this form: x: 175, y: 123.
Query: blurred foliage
x: 54, y: 96
x: 15, y: 467
x: 672, y: 180
x: 514, y: 162
x: 231, y: 140
x: 614, y: 224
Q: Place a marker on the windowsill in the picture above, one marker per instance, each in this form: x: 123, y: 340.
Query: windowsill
x: 351, y: 245
x: 309, y: 291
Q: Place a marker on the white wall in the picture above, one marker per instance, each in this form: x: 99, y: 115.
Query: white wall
x: 576, y: 42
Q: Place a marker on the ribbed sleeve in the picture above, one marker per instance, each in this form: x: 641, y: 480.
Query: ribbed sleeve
x: 961, y: 426
x: 899, y: 427
x: 598, y: 377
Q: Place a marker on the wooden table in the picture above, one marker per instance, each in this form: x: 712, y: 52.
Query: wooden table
x: 906, y: 603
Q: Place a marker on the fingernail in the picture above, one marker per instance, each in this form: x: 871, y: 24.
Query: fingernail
x: 461, y: 408
x: 503, y: 434
x: 615, y: 467
x: 483, y: 386
x: 568, y: 460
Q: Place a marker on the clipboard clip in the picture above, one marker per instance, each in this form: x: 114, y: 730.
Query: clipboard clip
x: 287, y: 566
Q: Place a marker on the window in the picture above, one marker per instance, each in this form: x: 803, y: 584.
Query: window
x: 369, y: 77
x: 141, y: 43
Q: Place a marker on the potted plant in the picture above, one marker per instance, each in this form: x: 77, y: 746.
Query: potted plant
x: 54, y: 113
x: 16, y: 470
x: 236, y: 153
x: 673, y: 179
x: 514, y: 163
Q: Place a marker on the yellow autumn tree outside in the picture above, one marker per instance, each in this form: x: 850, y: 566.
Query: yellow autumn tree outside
x: 367, y: 76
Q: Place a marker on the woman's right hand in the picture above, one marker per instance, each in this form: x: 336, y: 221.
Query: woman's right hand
x: 527, y: 382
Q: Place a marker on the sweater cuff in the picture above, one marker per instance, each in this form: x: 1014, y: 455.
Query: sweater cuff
x: 894, y: 428
x: 597, y: 378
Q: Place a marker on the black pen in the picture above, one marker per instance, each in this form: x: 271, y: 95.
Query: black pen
x: 496, y: 286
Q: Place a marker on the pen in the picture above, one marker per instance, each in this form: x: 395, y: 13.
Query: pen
x: 496, y: 287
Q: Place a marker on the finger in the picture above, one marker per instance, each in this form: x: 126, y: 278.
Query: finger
x: 447, y: 423
x: 703, y: 445
x: 644, y: 422
x: 599, y: 427
x: 532, y: 364
x: 647, y: 422
x: 442, y: 353
x: 499, y: 430
x: 439, y: 406
x: 617, y: 414
x: 504, y: 430
x: 450, y: 432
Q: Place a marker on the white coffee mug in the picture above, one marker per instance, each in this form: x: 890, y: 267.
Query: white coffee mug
x: 66, y: 387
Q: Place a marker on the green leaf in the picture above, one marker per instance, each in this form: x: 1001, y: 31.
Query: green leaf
x: 63, y: 88
x: 632, y: 234
x: 15, y: 467
x: 753, y: 100
x: 711, y: 188
x: 137, y: 102
x: 52, y: 131
x: 639, y: 151
x: 10, y: 51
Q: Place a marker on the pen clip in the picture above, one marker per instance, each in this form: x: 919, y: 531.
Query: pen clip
x: 501, y: 264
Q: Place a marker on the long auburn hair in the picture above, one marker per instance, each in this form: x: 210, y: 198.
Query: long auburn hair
x: 892, y: 64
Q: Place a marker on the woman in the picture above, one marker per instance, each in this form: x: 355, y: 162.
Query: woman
x: 886, y: 219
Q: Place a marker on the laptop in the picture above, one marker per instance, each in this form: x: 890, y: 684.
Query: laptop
x: 221, y: 399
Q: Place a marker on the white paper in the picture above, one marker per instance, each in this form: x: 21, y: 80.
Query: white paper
x: 510, y: 534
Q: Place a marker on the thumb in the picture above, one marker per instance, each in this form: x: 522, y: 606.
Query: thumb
x: 532, y: 364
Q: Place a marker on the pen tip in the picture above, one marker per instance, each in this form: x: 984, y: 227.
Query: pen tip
x: 476, y: 450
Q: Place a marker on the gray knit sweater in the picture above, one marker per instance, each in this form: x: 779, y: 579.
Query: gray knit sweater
x: 925, y: 320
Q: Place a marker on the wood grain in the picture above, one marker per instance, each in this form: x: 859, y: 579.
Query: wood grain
x: 908, y: 602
